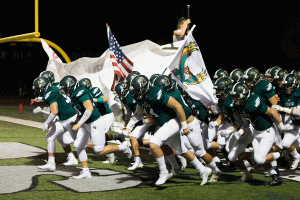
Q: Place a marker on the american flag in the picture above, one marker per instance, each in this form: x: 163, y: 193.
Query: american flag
x: 122, y: 65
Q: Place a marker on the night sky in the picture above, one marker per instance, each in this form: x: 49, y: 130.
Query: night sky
x: 230, y: 34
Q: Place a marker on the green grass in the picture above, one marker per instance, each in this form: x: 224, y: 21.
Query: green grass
x: 186, y: 186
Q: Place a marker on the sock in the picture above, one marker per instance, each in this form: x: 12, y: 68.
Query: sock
x: 172, y: 160
x: 295, y: 154
x: 214, y: 167
x: 162, y: 164
x: 71, y: 156
x: 122, y: 146
x: 274, y: 163
x: 272, y: 172
x: 137, y: 159
x: 51, y: 159
x: 276, y: 155
x: 198, y: 165
x: 247, y: 164
x: 85, y: 169
x: 216, y: 159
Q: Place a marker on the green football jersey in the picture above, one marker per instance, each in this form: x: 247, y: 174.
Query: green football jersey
x: 155, y: 105
x: 264, y: 89
x: 255, y: 110
x: 102, y: 107
x: 78, y: 97
x: 226, y: 107
x: 290, y: 101
x: 177, y: 95
x: 199, y: 109
x: 65, y: 109
x: 129, y: 102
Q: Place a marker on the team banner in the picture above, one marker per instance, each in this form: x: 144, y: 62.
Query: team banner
x: 189, y: 71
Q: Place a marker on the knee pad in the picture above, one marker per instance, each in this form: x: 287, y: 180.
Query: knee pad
x: 200, y: 152
x: 82, y: 156
x: 98, y: 148
x: 259, y: 159
x: 156, y: 141
x: 286, y: 144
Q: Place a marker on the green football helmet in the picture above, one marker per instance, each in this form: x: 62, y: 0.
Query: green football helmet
x: 67, y: 84
x: 290, y: 83
x: 251, y: 76
x: 220, y: 73
x: 49, y: 75
x: 122, y: 90
x: 223, y: 86
x: 240, y: 93
x: 164, y: 82
x: 153, y: 78
x: 85, y: 82
x: 131, y: 76
x: 278, y: 77
x: 40, y: 85
x: 140, y: 86
x: 236, y: 74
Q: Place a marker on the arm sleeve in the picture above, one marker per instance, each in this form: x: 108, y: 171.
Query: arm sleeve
x: 136, y: 117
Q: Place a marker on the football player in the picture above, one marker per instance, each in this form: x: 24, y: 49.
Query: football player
x: 290, y: 98
x: 101, y: 103
x: 194, y: 137
x: 169, y: 115
x: 89, y: 127
x: 253, y: 107
x: 59, y: 106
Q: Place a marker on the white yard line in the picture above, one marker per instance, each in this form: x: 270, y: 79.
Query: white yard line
x: 22, y: 122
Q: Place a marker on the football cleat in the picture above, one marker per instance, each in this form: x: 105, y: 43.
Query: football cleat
x: 135, y: 166
x: 163, y: 177
x: 83, y: 174
x: 204, y: 175
x: 47, y: 167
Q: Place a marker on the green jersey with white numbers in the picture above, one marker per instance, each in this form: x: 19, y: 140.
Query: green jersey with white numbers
x: 78, y: 97
x: 65, y: 109
x: 177, y: 95
x: 290, y: 101
x: 129, y: 102
x: 264, y: 89
x: 199, y: 109
x: 155, y: 105
x: 255, y: 110
x: 102, y: 107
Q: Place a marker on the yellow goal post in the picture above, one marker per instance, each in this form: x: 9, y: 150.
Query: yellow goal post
x: 34, y: 37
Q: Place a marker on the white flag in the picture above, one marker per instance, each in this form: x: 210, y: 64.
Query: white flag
x: 189, y: 71
x: 53, y: 59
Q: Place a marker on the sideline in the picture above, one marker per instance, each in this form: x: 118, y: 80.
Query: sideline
x: 22, y: 122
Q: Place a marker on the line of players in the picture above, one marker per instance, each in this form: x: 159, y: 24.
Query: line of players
x: 181, y: 126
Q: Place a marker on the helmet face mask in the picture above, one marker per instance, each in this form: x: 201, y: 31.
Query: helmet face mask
x: 289, y: 83
x: 223, y: 86
x: 140, y: 86
x: 240, y: 93
x: 40, y: 85
x: 122, y: 90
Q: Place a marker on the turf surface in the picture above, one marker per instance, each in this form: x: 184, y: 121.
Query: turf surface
x: 186, y: 186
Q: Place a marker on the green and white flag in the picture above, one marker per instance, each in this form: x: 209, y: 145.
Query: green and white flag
x: 189, y: 71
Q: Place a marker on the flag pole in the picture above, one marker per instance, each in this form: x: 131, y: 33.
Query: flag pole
x: 188, y: 15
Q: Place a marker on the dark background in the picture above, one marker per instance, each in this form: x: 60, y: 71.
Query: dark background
x: 231, y: 34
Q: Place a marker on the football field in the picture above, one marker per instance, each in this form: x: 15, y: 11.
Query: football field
x: 20, y: 179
